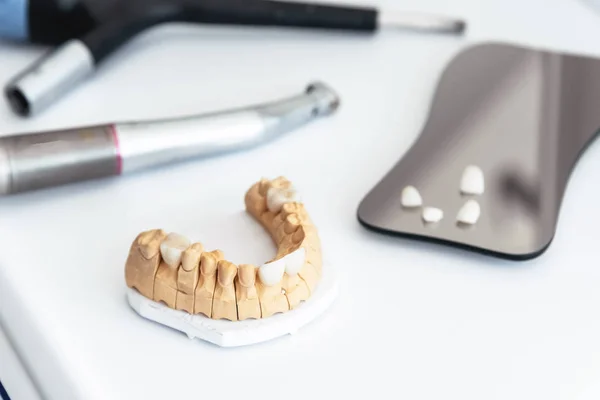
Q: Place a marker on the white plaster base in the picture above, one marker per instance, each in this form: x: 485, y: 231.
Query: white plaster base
x: 240, y: 333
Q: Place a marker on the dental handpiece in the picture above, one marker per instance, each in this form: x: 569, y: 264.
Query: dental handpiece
x: 53, y: 158
x: 88, y: 32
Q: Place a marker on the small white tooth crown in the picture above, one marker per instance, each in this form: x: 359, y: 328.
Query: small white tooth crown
x: 277, y: 197
x: 472, y: 181
x: 271, y: 273
x: 432, y: 214
x: 172, y: 248
x: 295, y: 261
x: 411, y: 197
x: 469, y: 213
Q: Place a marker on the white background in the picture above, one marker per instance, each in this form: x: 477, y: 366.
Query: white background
x: 412, y: 321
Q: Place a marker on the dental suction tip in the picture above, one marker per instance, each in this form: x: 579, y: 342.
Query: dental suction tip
x: 421, y: 22
x: 328, y: 100
x: 17, y: 101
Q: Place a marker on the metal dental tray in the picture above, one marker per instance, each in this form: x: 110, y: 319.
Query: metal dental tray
x: 523, y: 116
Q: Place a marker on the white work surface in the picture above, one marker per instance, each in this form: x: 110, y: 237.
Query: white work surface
x: 412, y: 321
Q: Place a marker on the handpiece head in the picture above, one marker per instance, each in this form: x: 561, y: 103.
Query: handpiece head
x: 328, y: 101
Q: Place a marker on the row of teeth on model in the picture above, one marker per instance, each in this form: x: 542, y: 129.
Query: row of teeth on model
x: 177, y: 250
x: 171, y: 269
x: 190, y: 279
x: 472, y: 183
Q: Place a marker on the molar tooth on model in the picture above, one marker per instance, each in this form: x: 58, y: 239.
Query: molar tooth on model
x: 143, y: 261
x: 224, y: 301
x: 300, y: 239
x: 172, y: 249
x: 263, y: 186
x: 149, y: 242
x: 299, y: 210
x: 288, y: 209
x: 188, y: 276
x: 267, y: 191
x: 289, y: 226
x: 248, y: 303
x: 280, y: 182
x: 256, y: 204
x: 276, y: 198
x: 299, y: 235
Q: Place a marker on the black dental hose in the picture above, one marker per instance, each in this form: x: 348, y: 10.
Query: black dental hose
x: 91, y: 31
x: 110, y: 35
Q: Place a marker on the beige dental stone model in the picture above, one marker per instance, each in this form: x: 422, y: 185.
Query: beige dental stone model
x: 169, y: 268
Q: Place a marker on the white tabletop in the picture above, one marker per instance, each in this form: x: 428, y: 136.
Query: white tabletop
x: 412, y: 321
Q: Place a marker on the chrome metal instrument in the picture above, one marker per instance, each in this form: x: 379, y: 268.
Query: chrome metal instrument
x: 87, y: 32
x: 45, y: 159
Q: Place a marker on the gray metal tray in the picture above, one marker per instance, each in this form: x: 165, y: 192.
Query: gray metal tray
x: 523, y: 116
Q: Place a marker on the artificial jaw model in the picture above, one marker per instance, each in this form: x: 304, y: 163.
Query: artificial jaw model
x: 169, y: 269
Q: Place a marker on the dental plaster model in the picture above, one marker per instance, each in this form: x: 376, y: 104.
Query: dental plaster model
x: 187, y: 283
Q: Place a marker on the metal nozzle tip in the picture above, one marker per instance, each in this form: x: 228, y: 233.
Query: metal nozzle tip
x: 49, y: 78
x: 421, y: 22
x: 17, y: 100
x: 329, y: 100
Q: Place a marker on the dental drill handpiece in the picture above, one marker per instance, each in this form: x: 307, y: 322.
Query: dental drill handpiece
x: 46, y: 159
x: 88, y: 32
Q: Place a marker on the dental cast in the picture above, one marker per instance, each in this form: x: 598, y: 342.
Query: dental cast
x: 184, y: 276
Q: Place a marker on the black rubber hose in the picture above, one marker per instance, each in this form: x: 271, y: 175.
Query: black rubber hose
x: 137, y: 16
x: 115, y: 22
x: 52, y: 22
